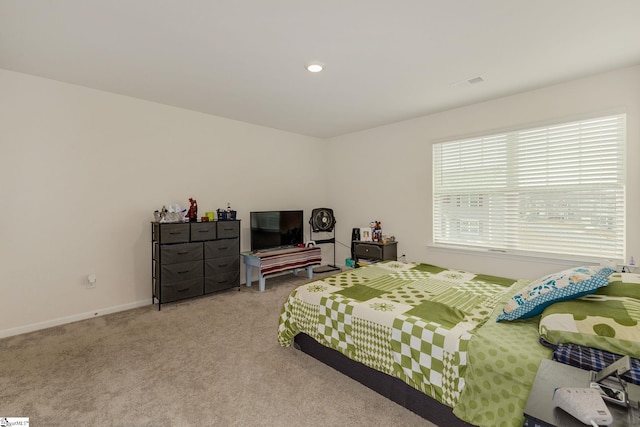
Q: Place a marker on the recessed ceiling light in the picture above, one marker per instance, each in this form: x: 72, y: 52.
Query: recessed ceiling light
x: 315, y: 67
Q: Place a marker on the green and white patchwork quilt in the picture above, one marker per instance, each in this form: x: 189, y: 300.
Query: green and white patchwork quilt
x: 412, y: 321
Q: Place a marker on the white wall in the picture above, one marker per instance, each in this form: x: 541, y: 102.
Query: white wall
x: 385, y: 173
x: 83, y: 170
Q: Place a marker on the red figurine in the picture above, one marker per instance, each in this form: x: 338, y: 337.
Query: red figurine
x: 193, y: 210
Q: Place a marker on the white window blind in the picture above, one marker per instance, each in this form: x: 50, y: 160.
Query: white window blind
x: 549, y: 191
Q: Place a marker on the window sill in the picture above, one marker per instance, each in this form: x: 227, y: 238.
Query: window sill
x: 528, y: 257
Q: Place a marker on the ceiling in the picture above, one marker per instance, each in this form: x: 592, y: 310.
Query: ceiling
x: 386, y: 61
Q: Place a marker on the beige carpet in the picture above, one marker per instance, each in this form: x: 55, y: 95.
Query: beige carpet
x: 212, y: 361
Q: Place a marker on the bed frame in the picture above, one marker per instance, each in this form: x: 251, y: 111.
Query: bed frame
x: 392, y: 388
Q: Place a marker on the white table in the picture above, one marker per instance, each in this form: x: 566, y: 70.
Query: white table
x: 276, y: 261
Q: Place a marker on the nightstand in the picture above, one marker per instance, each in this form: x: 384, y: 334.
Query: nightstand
x: 374, y: 251
x: 541, y: 412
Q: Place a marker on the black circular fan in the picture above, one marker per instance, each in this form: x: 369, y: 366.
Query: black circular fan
x: 322, y: 219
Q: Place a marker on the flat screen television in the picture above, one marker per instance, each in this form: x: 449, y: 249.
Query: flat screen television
x: 276, y: 229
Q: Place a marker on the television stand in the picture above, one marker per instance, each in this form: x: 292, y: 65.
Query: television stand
x: 279, y: 260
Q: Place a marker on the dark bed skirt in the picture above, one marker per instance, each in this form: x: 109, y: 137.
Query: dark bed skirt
x: 392, y: 388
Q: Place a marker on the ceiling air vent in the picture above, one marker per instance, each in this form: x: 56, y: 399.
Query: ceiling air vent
x: 468, y: 82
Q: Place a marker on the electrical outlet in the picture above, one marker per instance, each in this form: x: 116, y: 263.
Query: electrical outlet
x: 91, y: 281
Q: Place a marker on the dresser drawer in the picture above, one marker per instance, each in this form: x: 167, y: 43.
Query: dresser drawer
x: 203, y: 231
x: 180, y: 290
x: 213, y: 266
x: 171, y: 233
x: 179, y: 272
x: 224, y: 247
x: 228, y: 229
x: 180, y: 252
x: 363, y: 250
x: 222, y: 281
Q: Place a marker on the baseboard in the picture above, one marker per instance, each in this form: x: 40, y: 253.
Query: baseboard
x: 69, y: 319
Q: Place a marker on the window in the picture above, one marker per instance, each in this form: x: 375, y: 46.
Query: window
x: 550, y: 191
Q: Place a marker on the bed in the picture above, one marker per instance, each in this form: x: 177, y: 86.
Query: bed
x: 442, y: 342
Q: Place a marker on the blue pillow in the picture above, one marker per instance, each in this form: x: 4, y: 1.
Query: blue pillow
x: 562, y: 286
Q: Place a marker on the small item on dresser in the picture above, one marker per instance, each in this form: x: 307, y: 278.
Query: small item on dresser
x: 172, y: 214
x: 376, y: 231
x: 226, y: 215
x: 192, y: 214
x: 204, y: 219
x: 365, y: 234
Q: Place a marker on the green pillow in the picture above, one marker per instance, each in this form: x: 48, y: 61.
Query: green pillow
x: 610, y: 323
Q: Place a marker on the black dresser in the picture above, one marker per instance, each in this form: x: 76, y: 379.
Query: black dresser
x: 194, y: 259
